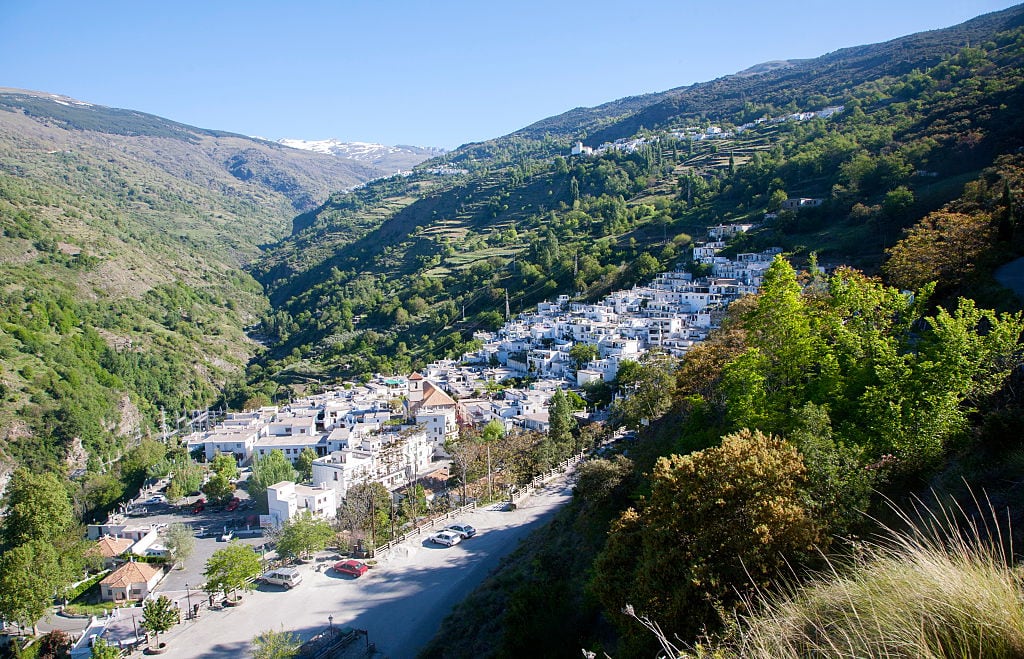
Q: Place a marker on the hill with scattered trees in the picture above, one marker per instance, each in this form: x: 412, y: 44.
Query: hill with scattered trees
x: 150, y: 267
x: 403, y: 271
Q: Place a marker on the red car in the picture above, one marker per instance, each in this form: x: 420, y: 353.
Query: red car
x: 233, y: 504
x: 199, y: 506
x: 352, y: 567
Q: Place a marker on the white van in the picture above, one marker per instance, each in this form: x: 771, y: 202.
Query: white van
x: 288, y: 577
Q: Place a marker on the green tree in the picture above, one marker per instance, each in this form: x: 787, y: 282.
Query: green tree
x: 897, y: 202
x: 647, y: 386
x: 37, y: 506
x: 770, y: 379
x: 303, y: 535
x: 232, y: 568
x: 158, y: 616
x: 365, y: 508
x: 256, y: 401
x: 29, y: 577
x: 775, y: 200
x: 598, y: 480
x: 225, y: 465
x: 646, y: 266
x: 266, y: 471
x: 218, y: 488
x: 560, y: 419
x: 275, y: 645
x: 180, y: 542
x: 304, y: 464
x: 414, y: 504
x: 718, y: 523
x: 186, y: 477
x: 583, y: 353
x: 103, y: 650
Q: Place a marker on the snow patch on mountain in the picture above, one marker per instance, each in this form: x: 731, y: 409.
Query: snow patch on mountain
x: 365, y: 151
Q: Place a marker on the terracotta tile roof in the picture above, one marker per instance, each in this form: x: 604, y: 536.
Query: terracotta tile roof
x: 434, y: 397
x: 109, y: 547
x: 415, y: 376
x: 130, y: 573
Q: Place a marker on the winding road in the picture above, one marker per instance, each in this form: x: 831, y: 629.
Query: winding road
x: 400, y: 602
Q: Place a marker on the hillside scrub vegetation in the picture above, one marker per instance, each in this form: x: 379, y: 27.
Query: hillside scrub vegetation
x: 405, y: 270
x: 942, y: 586
x: 773, y: 446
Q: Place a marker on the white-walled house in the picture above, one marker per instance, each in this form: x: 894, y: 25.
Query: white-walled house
x: 291, y: 446
x: 131, y: 581
x: 340, y: 470
x: 435, y: 411
x: 287, y: 499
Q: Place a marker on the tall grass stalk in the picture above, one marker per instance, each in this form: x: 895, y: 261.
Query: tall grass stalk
x: 945, y: 587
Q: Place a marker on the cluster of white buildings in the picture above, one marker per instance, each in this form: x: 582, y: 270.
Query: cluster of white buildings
x: 390, y: 429
x: 699, y: 133
x: 385, y: 431
x: 671, y: 313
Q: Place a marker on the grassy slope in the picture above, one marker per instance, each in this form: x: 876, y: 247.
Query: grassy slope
x: 133, y: 227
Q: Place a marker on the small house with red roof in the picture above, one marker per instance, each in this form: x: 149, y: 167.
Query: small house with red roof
x: 109, y: 549
x: 131, y: 581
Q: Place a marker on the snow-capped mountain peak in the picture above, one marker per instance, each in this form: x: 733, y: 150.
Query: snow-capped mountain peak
x: 364, y: 151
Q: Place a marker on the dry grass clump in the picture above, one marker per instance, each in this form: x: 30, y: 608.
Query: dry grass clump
x: 944, y: 588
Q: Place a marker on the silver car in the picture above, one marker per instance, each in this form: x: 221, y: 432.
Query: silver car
x: 447, y: 538
x: 464, y: 530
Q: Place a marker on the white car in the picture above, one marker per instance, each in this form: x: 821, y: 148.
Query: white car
x: 464, y: 530
x: 288, y: 577
x: 159, y: 498
x: 447, y: 538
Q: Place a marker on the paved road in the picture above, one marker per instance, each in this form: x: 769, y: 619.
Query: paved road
x: 400, y: 602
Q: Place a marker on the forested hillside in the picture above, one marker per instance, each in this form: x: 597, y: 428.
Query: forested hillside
x: 145, y: 266
x: 122, y: 297
x: 745, y: 519
x: 403, y: 271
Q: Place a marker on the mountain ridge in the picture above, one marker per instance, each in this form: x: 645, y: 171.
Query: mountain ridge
x: 468, y: 232
x: 399, y: 156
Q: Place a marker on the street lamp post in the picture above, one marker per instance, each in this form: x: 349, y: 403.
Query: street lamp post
x: 188, y: 596
x: 330, y: 622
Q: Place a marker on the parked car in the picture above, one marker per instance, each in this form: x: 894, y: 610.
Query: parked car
x: 447, y: 538
x: 352, y: 567
x: 158, y: 498
x: 226, y: 536
x: 289, y: 577
x: 233, y: 504
x: 199, y: 506
x: 464, y: 530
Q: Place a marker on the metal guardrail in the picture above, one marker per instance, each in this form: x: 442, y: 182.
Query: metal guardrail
x: 428, y: 525
x: 516, y: 494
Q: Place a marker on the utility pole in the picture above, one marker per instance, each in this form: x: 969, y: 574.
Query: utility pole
x: 508, y: 314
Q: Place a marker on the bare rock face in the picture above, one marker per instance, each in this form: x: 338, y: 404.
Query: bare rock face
x: 16, y: 429
x: 131, y: 418
x: 6, y: 470
x: 77, y: 457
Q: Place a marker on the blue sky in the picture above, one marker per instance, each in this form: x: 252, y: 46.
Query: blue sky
x: 431, y: 73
